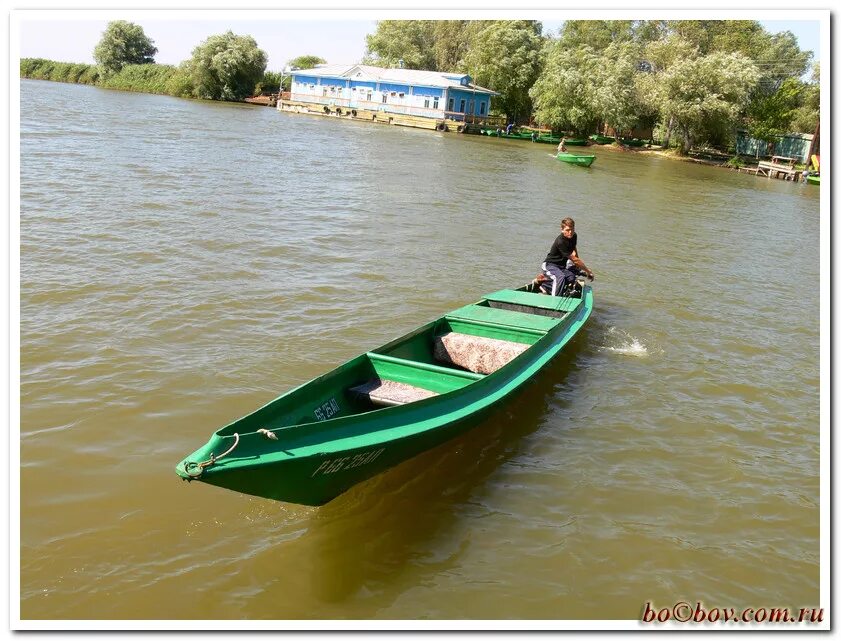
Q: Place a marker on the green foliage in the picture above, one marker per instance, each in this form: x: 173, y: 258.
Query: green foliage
x: 270, y: 83
x: 411, y: 41
x: 123, y: 43
x: 507, y: 56
x: 771, y: 115
x: 596, y: 34
x: 226, y: 67
x: 41, y: 69
x: 564, y: 92
x: 806, y: 116
x: 301, y: 62
x: 452, y: 41
x: 615, y: 95
x: 735, y: 162
x: 143, y: 78
x: 305, y: 62
x: 695, y: 92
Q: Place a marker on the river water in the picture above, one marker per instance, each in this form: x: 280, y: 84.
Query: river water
x: 184, y: 262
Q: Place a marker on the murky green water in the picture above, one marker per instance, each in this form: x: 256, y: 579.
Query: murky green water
x: 184, y: 262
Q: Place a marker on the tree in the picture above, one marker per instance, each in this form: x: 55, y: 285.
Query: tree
x: 408, y: 40
x: 615, y: 89
x: 806, y: 117
x: 123, y: 43
x: 708, y: 90
x: 596, y: 34
x: 564, y: 92
x: 305, y: 62
x: 507, y: 57
x: 771, y: 115
x: 451, y: 42
x: 660, y: 56
x: 226, y: 67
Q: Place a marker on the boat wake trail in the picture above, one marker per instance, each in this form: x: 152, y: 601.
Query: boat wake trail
x: 620, y: 342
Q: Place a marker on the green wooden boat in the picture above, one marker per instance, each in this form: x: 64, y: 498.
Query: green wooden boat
x: 519, y: 135
x: 813, y: 180
x: 602, y: 140
x: 632, y: 142
x: 575, y: 142
x: 385, y: 406
x: 585, y: 160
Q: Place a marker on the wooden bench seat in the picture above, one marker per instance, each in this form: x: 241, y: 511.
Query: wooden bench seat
x: 475, y: 353
x: 532, y: 303
x: 389, y: 393
x: 504, y: 317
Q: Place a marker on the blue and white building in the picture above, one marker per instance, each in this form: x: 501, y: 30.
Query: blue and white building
x: 427, y: 94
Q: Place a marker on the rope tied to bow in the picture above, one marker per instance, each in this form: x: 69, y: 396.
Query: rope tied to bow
x: 213, y: 458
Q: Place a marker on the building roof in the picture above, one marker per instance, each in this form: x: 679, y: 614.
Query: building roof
x: 403, y: 76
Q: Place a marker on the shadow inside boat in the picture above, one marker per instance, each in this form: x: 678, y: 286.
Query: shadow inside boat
x: 364, y: 539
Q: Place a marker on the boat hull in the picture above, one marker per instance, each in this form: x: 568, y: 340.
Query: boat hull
x: 813, y: 180
x: 313, y: 463
x: 583, y: 160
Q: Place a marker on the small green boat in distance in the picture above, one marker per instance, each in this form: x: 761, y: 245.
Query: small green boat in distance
x: 602, y: 140
x: 813, y: 179
x: 632, y: 142
x: 575, y: 142
x: 390, y: 404
x: 585, y: 160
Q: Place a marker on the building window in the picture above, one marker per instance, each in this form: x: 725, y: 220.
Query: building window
x: 450, y: 105
x: 401, y: 94
x: 481, y: 108
x: 426, y: 103
x: 461, y: 105
x: 324, y: 91
x: 385, y: 97
x: 369, y: 97
x: 435, y: 103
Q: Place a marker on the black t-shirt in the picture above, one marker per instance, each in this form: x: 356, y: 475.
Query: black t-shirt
x: 561, y: 250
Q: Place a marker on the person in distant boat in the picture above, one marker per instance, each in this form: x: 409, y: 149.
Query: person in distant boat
x: 509, y: 128
x: 562, y: 147
x: 562, y: 263
x: 534, y: 136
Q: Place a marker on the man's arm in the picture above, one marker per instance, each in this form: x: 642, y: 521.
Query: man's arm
x: 580, y: 264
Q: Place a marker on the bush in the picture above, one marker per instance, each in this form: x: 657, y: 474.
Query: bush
x: 147, y: 78
x: 735, y: 162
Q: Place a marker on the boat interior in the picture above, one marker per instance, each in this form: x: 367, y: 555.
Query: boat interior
x: 446, y: 355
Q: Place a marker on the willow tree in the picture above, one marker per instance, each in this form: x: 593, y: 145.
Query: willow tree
x: 615, y: 96
x: 660, y: 56
x: 506, y: 56
x: 807, y: 115
x: 123, y: 43
x: 226, y: 67
x: 698, y: 92
x: 408, y: 40
x: 564, y: 93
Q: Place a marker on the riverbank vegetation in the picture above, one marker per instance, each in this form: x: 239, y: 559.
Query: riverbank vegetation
x: 691, y: 82
x: 222, y: 67
x: 687, y: 82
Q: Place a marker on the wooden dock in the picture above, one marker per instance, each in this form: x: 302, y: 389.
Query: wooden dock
x: 778, y: 166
